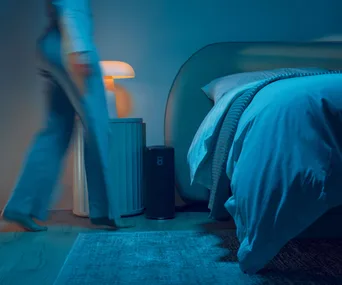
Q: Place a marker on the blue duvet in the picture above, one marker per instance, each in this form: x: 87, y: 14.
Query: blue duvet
x: 285, y: 164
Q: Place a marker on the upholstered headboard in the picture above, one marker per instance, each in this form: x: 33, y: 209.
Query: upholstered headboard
x: 187, y: 105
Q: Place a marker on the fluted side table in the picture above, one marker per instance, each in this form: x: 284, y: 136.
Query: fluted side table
x: 127, y: 143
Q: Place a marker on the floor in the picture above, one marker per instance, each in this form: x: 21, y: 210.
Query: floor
x: 36, y: 258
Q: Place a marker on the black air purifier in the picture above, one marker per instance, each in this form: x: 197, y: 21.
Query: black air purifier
x: 159, y: 183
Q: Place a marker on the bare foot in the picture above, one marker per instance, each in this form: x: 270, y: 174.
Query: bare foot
x: 22, y: 220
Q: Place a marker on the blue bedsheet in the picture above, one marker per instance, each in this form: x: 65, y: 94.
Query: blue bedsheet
x: 283, y: 160
x: 285, y: 164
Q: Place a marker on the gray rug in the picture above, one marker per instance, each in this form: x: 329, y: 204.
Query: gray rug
x: 193, y: 258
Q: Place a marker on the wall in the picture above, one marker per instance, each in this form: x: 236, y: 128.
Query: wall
x: 155, y: 37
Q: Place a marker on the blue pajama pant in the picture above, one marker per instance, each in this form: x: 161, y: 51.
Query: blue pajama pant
x: 33, y: 192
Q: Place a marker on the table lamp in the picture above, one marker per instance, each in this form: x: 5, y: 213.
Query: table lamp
x: 116, y: 70
x: 111, y: 70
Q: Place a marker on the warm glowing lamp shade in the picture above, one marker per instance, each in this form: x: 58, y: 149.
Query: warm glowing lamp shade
x: 120, y: 103
x: 117, y: 70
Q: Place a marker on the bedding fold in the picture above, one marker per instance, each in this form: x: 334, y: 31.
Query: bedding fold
x: 281, y: 151
x: 224, y: 133
x: 275, y: 160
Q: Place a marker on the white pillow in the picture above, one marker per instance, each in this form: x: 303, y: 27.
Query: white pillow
x: 218, y: 87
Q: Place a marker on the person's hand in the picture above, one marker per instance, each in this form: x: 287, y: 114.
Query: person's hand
x: 77, y: 65
x: 79, y: 70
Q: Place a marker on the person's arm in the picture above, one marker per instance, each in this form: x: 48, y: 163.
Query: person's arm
x: 72, y: 18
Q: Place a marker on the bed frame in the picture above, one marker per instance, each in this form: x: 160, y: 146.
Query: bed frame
x: 187, y: 105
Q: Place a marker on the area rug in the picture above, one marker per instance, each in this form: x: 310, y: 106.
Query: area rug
x: 193, y: 258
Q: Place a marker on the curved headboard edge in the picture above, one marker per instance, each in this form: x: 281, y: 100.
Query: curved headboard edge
x: 221, y: 59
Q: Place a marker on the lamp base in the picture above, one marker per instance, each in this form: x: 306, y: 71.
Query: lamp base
x: 111, y: 104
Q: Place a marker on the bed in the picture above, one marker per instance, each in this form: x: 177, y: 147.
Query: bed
x: 188, y: 107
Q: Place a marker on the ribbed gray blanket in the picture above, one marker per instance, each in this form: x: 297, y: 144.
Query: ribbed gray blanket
x: 221, y: 185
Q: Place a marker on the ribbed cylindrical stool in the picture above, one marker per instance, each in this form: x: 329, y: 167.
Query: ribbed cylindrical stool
x: 127, y: 143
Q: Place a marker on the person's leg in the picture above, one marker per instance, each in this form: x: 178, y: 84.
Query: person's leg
x: 31, y: 196
x: 103, y: 206
x: 87, y: 96
x: 51, y: 57
x: 96, y: 146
